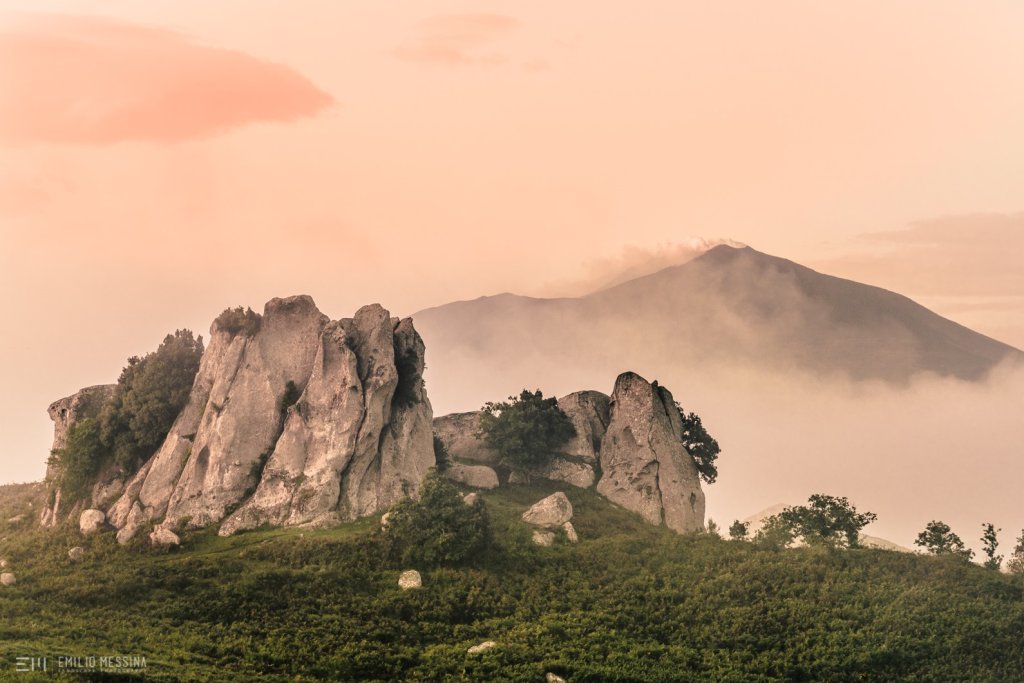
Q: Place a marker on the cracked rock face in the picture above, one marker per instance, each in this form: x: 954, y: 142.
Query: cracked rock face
x: 645, y: 467
x: 357, y: 439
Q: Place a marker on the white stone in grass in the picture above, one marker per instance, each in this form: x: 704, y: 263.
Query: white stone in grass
x: 76, y: 553
x: 91, y: 521
x: 8, y: 579
x: 410, y: 579
x: 164, y: 536
x: 544, y: 538
x: 570, y: 532
x: 482, y: 647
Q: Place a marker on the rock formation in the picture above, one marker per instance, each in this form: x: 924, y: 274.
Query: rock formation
x: 91, y: 521
x: 644, y: 466
x: 301, y: 420
x: 86, y: 403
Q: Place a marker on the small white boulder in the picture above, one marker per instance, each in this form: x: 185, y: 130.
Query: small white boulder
x: 91, y: 521
x: 482, y: 647
x: 3, y: 564
x: 471, y: 498
x: 553, y: 678
x: 544, y: 538
x: 164, y: 536
x: 570, y: 532
x: 551, y: 512
x: 385, y: 519
x: 410, y: 579
x: 76, y: 553
x: 8, y: 579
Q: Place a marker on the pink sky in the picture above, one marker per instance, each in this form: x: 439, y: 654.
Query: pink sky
x: 161, y: 161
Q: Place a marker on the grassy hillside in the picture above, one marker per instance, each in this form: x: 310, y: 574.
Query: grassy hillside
x: 629, y: 603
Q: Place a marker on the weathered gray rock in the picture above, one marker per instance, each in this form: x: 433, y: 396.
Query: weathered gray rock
x: 482, y: 647
x: 410, y: 578
x: 164, y: 536
x: 65, y: 413
x: 135, y: 520
x: 565, y: 470
x: 570, y: 532
x: 477, y: 476
x: 242, y: 419
x: 8, y: 579
x: 76, y: 553
x: 459, y: 431
x: 589, y: 412
x: 543, y: 538
x: 551, y: 512
x: 17, y: 519
x: 91, y: 521
x: 3, y: 564
x: 356, y: 441
x: 645, y: 467
x: 553, y: 678
x: 471, y: 498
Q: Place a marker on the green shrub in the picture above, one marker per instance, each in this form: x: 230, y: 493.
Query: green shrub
x: 239, y: 320
x: 439, y: 529
x: 80, y: 461
x: 151, y: 391
x: 526, y: 430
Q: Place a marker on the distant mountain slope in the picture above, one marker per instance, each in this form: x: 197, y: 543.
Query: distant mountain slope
x: 731, y: 305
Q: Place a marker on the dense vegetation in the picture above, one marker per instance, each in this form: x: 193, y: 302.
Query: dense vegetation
x: 526, y: 430
x: 630, y: 602
x: 150, y: 393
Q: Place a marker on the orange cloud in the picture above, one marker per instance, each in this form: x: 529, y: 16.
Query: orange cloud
x: 97, y: 81
x: 457, y: 39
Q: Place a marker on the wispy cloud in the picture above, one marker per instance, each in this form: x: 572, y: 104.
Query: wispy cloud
x: 86, y: 80
x: 457, y: 39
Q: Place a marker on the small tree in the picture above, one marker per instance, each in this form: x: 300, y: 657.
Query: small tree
x: 827, y: 520
x: 989, y: 543
x: 78, y: 463
x: 700, y: 445
x: 526, y: 430
x: 712, y: 529
x: 442, y: 458
x: 1015, y: 564
x: 439, y: 529
x: 774, y: 533
x: 150, y: 393
x: 738, y: 530
x: 938, y: 539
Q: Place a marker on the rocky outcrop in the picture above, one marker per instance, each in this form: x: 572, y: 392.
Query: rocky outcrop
x: 477, y: 476
x: 458, y: 432
x: 66, y: 413
x: 589, y: 412
x: 645, y: 467
x: 300, y: 420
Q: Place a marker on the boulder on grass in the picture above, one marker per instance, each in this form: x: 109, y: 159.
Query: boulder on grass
x: 410, y: 579
x: 550, y: 513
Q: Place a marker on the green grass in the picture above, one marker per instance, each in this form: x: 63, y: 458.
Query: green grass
x: 629, y: 603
